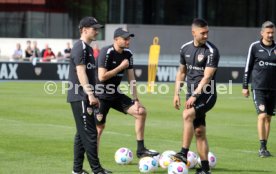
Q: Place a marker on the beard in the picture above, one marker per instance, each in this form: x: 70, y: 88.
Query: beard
x: 124, y: 46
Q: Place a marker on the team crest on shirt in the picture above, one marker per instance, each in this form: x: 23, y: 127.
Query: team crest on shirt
x: 89, y: 110
x: 261, y: 107
x: 99, y: 117
x: 200, y: 57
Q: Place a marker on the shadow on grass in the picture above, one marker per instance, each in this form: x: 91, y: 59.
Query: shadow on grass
x: 241, y: 170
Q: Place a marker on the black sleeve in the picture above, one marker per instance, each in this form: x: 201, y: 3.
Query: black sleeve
x: 103, y: 58
x: 182, y: 57
x: 213, y: 58
x: 79, y: 53
x: 130, y: 61
x: 248, y: 67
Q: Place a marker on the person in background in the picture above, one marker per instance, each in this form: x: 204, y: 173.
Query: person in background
x: 35, y: 50
x: 67, y: 51
x: 18, y: 53
x: 28, y: 51
x: 96, y: 50
x: 43, y: 50
x: 261, y: 64
x: 48, y: 55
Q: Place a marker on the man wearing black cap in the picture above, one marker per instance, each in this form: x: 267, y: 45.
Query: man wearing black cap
x: 82, y: 99
x: 112, y: 63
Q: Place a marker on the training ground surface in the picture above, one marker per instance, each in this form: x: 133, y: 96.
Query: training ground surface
x: 36, y: 132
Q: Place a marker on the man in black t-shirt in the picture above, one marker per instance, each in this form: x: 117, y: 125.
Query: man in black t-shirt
x: 67, y: 50
x: 261, y: 63
x: 198, y: 64
x: 82, y: 99
x: 113, y: 62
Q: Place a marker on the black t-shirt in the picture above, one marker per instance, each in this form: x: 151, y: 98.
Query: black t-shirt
x: 67, y: 51
x: 81, y: 54
x: 27, y: 54
x: 261, y: 64
x: 196, y: 59
x: 109, y: 59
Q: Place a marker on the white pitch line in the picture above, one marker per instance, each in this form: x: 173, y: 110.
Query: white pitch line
x: 116, y: 133
x: 16, y: 122
x: 246, y: 151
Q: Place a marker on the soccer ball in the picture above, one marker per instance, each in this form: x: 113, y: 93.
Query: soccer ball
x: 192, y: 159
x: 177, y: 168
x: 123, y: 156
x: 147, y: 164
x: 211, y: 158
x: 157, y: 157
x: 165, y: 158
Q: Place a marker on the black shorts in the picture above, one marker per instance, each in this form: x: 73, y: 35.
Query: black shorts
x: 120, y: 103
x: 203, y: 104
x: 264, y: 101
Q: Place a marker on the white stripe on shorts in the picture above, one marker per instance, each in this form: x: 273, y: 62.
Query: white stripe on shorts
x: 83, y: 109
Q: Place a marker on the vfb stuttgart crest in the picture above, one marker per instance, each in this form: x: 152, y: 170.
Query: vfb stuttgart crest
x: 261, y: 107
x: 200, y: 57
x: 89, y: 110
x: 99, y: 117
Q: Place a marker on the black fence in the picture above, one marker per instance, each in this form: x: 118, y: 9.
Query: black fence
x: 60, y: 71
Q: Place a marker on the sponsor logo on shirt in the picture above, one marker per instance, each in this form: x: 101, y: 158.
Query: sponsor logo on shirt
x: 261, y: 50
x: 187, y: 55
x: 194, y: 67
x: 90, y: 66
x: 263, y: 63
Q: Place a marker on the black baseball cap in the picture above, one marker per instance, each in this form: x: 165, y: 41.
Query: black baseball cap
x: 89, y: 22
x: 120, y: 32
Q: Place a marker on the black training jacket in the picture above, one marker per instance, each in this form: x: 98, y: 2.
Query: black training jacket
x: 261, y: 65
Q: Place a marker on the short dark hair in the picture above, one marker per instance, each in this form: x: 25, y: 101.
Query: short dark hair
x: 199, y: 23
x: 268, y: 24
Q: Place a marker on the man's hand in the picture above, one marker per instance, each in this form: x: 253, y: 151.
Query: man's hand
x: 93, y: 101
x: 124, y: 64
x: 190, y: 102
x: 245, y: 92
x: 176, y: 102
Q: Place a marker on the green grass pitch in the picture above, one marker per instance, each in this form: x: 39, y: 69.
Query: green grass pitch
x: 36, y: 132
